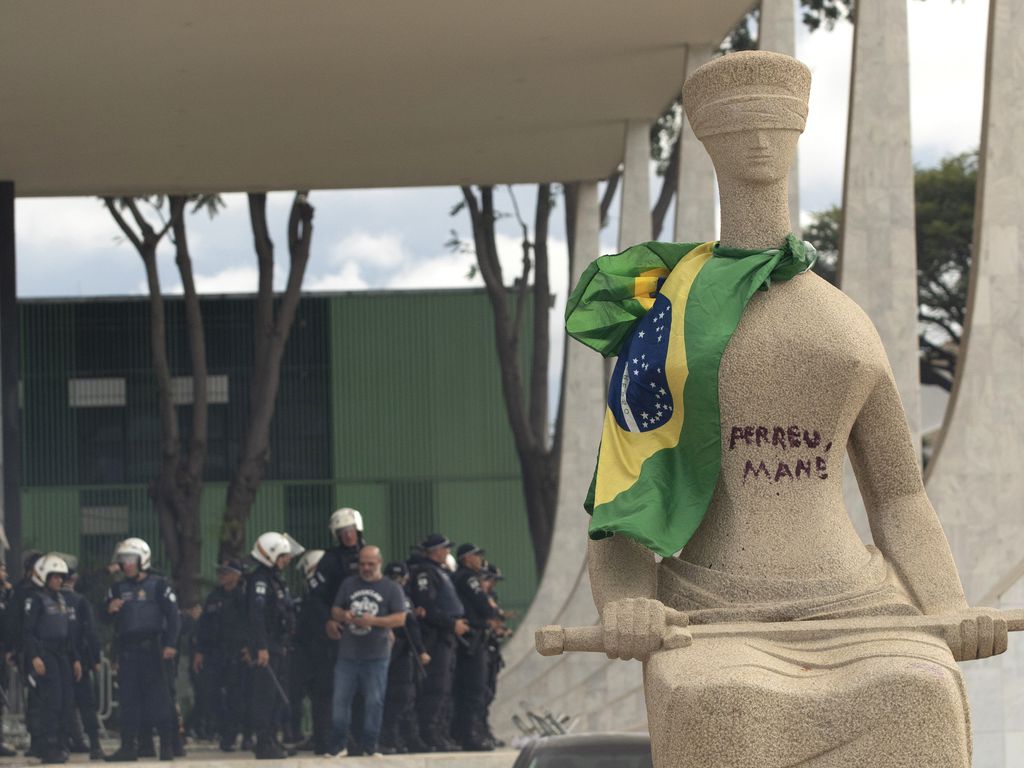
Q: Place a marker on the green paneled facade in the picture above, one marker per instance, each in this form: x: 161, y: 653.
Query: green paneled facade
x: 389, y: 402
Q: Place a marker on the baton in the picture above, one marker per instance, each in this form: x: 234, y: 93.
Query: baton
x: 959, y: 632
x: 277, y: 684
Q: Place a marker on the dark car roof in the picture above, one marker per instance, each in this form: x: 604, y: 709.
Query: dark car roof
x: 592, y: 740
x: 579, y: 745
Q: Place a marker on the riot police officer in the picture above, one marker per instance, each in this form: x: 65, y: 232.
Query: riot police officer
x: 341, y: 561
x: 338, y: 563
x: 87, y: 647
x: 470, y: 686
x: 271, y: 621
x: 50, y: 657
x: 442, y: 622
x: 499, y: 633
x: 147, y: 623
x: 7, y: 611
x: 409, y: 660
x: 220, y: 639
x: 309, y: 671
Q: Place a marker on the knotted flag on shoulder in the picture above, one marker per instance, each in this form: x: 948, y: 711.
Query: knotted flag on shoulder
x: 668, y: 311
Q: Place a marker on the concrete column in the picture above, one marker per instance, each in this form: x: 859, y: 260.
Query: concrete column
x: 695, y: 192
x: 974, y: 478
x: 878, y: 268
x: 606, y: 695
x: 777, y: 32
x: 10, y: 374
x: 584, y: 404
x: 635, y: 214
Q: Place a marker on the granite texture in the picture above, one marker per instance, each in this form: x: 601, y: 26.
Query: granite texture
x: 777, y: 543
x: 974, y: 477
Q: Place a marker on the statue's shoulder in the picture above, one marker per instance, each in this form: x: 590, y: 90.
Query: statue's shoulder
x: 836, y: 314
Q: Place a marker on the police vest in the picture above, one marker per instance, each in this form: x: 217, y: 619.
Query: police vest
x: 53, y: 624
x: 141, y: 613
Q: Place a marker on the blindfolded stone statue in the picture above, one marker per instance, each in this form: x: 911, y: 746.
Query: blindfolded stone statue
x: 742, y: 382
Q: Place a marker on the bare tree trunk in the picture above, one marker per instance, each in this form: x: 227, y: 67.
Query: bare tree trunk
x: 177, y: 487
x: 528, y: 421
x: 189, y: 477
x: 271, y: 338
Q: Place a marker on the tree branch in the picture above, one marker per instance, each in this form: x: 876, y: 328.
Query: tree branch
x: 609, y: 196
x: 198, y: 440
x: 128, y: 231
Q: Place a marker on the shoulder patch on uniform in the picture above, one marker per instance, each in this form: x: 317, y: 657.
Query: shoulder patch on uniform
x: 423, y: 581
x: 261, y: 587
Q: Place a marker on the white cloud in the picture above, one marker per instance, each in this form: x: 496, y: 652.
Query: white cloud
x: 382, y: 251
x: 348, y: 278
x: 73, y: 225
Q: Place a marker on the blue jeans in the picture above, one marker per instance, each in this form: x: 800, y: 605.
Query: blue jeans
x: 350, y: 675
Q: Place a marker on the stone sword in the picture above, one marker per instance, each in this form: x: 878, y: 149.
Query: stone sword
x: 959, y: 633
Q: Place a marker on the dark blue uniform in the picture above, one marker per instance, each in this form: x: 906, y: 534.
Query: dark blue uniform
x: 470, y: 686
x: 404, y: 672
x: 147, y: 622
x: 46, y: 635
x: 337, y: 564
x: 431, y: 589
x: 271, y: 621
x: 221, y: 637
x: 87, y: 648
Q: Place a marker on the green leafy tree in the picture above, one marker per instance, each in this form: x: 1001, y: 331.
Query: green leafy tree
x: 944, y: 220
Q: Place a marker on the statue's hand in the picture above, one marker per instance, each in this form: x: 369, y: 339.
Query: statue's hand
x: 633, y: 627
x: 982, y: 634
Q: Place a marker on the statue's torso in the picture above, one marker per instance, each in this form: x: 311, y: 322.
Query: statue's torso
x: 793, y: 378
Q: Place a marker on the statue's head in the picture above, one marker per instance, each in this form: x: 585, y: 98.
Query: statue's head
x: 749, y: 109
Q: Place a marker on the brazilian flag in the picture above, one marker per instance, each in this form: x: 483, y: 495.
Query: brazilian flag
x: 667, y: 310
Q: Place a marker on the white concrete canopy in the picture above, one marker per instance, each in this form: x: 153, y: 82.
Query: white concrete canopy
x: 110, y: 97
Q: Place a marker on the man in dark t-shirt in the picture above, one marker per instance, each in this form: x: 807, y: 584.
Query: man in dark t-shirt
x: 368, y: 607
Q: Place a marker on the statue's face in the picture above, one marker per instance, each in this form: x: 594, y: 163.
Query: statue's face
x: 756, y: 155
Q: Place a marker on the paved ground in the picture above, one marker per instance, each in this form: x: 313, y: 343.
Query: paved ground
x: 212, y: 758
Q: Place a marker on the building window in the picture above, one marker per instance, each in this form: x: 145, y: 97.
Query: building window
x: 96, y: 393
x: 183, y: 389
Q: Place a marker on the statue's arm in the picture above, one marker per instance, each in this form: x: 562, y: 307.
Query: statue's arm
x: 903, y: 523
x: 620, y: 568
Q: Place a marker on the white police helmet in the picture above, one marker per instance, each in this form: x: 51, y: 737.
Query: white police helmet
x: 309, y: 561
x: 133, y: 548
x: 343, y: 518
x: 46, y: 565
x: 270, y: 546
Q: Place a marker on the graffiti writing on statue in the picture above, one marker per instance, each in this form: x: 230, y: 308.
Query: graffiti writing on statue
x: 804, y: 459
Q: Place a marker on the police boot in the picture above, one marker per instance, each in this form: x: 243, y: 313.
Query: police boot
x: 476, y: 739
x: 227, y: 744
x: 178, y: 743
x: 267, y: 748
x: 167, y: 743
x: 129, y: 751
x: 95, y: 750
x: 52, y: 754
x: 413, y: 743
x: 147, y: 747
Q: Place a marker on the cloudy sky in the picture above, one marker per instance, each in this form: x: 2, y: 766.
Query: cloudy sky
x: 395, y: 238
